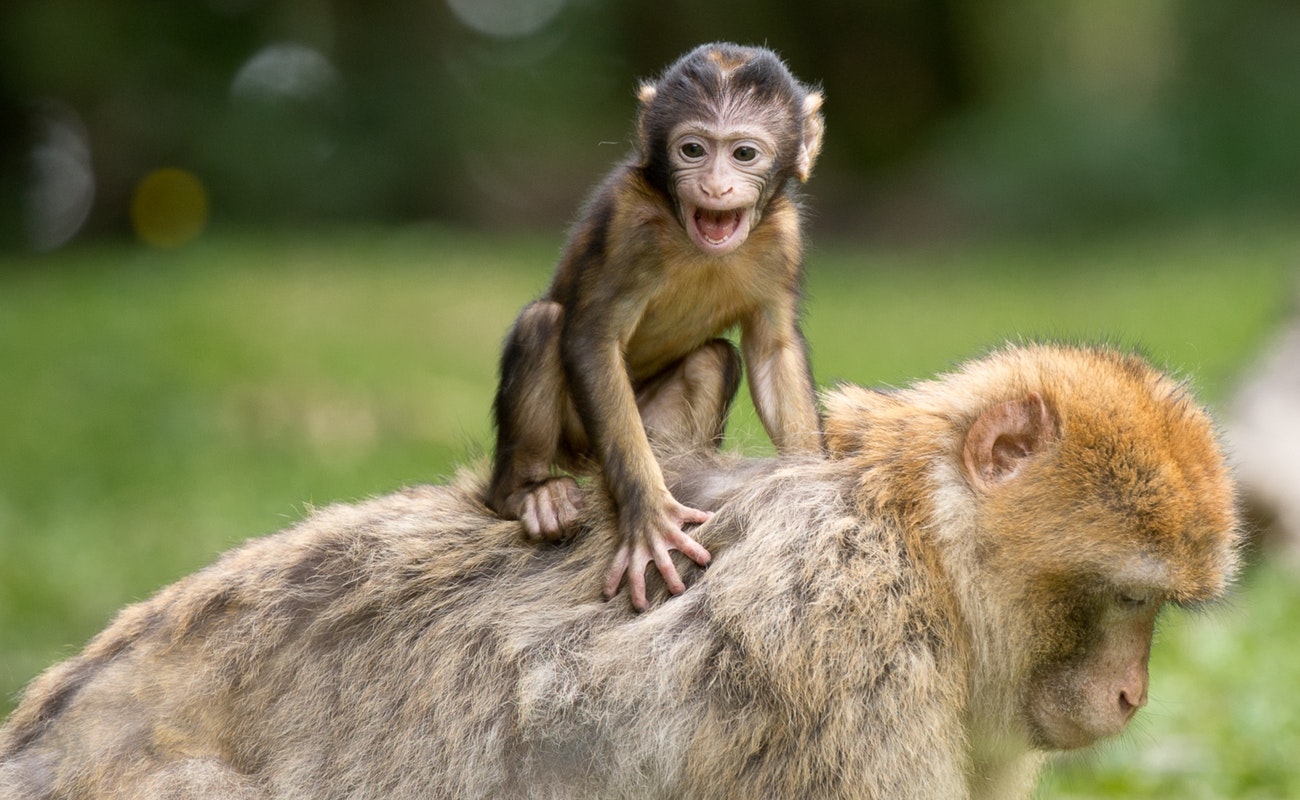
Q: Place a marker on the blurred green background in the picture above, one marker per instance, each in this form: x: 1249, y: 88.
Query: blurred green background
x: 259, y: 255
x: 946, y: 118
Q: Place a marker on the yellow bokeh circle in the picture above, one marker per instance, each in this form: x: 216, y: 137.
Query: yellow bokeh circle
x: 169, y: 207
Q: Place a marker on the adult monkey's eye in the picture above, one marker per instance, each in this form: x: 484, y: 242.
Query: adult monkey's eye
x: 1133, y: 600
x: 745, y: 153
x: 692, y: 149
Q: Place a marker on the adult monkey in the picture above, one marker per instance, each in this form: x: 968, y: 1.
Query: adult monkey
x: 970, y: 580
x: 694, y: 234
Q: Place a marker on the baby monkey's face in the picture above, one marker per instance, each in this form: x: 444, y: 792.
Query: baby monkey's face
x: 719, y: 177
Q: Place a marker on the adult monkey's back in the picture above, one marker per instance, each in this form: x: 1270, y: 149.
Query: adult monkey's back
x: 970, y: 580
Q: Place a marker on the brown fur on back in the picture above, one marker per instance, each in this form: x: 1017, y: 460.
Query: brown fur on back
x: 413, y: 646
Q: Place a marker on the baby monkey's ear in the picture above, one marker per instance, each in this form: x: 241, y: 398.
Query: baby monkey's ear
x: 814, y: 126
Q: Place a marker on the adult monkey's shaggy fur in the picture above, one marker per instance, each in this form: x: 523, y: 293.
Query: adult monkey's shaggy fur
x: 969, y: 580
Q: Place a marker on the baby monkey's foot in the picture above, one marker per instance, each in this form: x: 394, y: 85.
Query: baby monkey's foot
x: 548, y: 509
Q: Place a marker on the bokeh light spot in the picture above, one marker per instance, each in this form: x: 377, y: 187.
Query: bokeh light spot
x: 169, y: 208
x: 284, y: 71
x: 62, y: 189
x: 505, y: 18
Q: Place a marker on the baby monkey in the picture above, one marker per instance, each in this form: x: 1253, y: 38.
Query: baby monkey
x: 696, y: 233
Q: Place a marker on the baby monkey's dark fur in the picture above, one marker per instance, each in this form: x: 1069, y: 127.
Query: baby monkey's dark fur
x: 697, y: 232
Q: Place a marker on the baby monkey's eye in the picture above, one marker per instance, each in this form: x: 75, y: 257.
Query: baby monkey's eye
x: 745, y: 153
x: 692, y: 149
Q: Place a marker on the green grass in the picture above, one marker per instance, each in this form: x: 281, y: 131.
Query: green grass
x: 159, y: 407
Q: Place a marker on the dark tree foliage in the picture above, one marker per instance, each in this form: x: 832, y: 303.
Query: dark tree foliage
x: 941, y: 115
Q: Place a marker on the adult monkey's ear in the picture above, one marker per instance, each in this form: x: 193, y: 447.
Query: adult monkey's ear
x: 1005, y: 438
x: 811, y: 144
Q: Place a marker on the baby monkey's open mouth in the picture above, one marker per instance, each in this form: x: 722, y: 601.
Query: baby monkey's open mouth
x: 718, y: 230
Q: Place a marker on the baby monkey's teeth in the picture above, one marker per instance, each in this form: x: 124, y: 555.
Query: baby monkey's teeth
x: 716, y: 226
